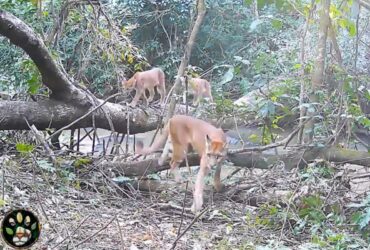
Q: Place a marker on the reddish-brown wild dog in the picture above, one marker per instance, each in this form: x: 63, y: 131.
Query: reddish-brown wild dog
x: 141, y: 81
x: 208, y: 141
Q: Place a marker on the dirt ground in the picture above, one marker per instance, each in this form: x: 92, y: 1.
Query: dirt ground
x: 82, y: 208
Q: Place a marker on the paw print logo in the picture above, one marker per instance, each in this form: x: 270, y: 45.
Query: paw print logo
x: 20, y: 228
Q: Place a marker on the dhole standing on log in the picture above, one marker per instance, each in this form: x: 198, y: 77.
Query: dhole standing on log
x: 141, y: 81
x: 208, y: 141
x: 201, y: 88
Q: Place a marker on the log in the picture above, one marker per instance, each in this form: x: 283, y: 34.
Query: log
x: 259, y: 160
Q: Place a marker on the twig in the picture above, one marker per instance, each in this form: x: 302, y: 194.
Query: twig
x: 74, y: 231
x: 237, y: 130
x: 360, y: 140
x: 232, y: 174
x: 97, y: 232
x: 83, y: 116
x: 78, y: 138
x: 288, y: 208
x: 272, y: 145
x: 37, y: 194
x: 128, y: 130
x: 83, y: 137
x: 188, y: 227
x: 183, y: 208
x: 40, y: 138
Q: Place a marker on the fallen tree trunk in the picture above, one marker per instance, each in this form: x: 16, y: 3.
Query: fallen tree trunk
x: 56, y: 114
x: 251, y: 160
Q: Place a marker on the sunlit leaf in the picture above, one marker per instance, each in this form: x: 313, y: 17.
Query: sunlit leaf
x: 2, y: 202
x: 130, y: 59
x: 297, y: 66
x: 24, y: 147
x: 33, y: 84
x: 351, y: 27
x: 277, y: 24
x: 228, y: 76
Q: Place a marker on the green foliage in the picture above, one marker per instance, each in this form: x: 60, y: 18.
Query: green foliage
x: 24, y: 148
x: 46, y: 165
x: 90, y: 49
x: 82, y: 161
x: 320, y: 169
x: 362, y: 217
x: 312, y: 209
x: 32, y: 75
x: 224, y: 106
x: 270, y: 215
x: 2, y: 202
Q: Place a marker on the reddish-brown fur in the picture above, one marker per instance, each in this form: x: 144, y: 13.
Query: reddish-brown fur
x: 201, y: 88
x: 141, y: 81
x: 208, y: 141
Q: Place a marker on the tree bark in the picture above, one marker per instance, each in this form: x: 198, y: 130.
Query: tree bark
x: 57, y: 114
x: 302, y: 94
x: 318, y: 73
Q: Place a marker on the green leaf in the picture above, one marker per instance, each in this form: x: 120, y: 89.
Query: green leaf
x: 277, y: 24
x: 228, y: 76
x: 267, y: 109
x: 121, y: 179
x: 34, y: 225
x: 248, y: 2
x: 9, y: 231
x: 367, y: 95
x: 81, y: 162
x: 44, y: 164
x: 365, y: 219
x: 24, y: 147
x: 33, y: 85
x: 351, y: 27
x: 297, y: 66
x: 2, y: 202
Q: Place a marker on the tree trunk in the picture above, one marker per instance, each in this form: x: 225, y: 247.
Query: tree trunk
x: 318, y: 73
x: 57, y: 114
x: 201, y: 9
x: 302, y: 94
x: 250, y: 160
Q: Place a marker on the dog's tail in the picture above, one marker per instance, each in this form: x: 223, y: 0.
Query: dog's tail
x: 158, y: 143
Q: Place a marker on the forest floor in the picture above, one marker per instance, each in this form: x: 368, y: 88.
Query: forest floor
x: 80, y: 207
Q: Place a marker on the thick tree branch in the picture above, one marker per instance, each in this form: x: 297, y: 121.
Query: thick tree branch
x: 260, y: 160
x: 23, y: 36
x: 56, y: 114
